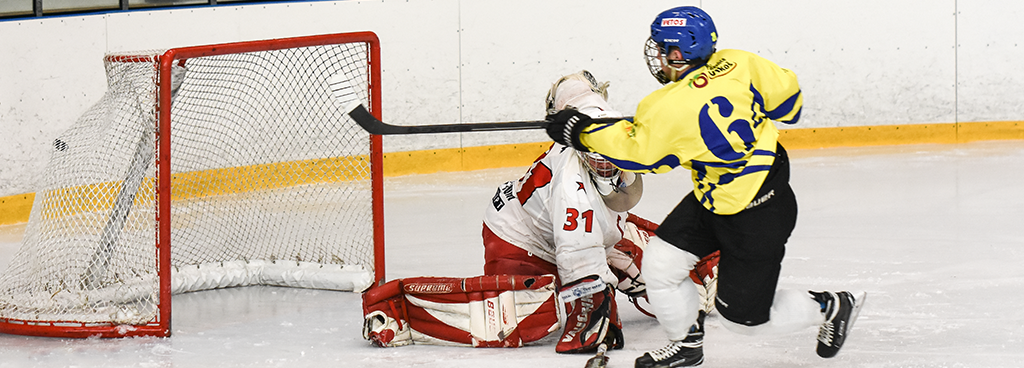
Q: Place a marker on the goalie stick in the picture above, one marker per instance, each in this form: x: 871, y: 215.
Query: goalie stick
x: 123, y: 204
x: 342, y: 90
x: 126, y: 193
x: 600, y: 360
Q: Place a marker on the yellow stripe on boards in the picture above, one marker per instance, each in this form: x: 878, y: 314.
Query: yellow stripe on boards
x: 867, y: 136
x: 462, y: 159
x: 15, y: 209
x: 101, y: 197
x: 884, y: 135
x: 268, y: 176
x: 990, y: 131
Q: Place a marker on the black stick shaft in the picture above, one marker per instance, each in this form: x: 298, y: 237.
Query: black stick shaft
x: 374, y: 126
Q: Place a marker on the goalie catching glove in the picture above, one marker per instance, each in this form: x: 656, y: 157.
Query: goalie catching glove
x: 591, y: 317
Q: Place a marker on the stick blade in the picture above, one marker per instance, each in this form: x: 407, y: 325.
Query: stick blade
x: 368, y: 122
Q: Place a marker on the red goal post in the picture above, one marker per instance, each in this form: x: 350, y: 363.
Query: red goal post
x: 203, y: 167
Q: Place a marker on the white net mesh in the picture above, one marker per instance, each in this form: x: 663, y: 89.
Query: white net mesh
x: 270, y: 185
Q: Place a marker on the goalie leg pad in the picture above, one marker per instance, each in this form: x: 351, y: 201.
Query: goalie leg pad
x: 626, y: 269
x: 705, y: 275
x: 384, y: 331
x: 385, y: 321
x: 484, y: 311
x: 626, y: 258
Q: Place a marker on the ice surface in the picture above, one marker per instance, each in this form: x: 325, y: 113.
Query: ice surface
x: 934, y: 234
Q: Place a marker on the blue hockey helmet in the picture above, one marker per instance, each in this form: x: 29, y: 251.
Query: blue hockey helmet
x: 687, y: 28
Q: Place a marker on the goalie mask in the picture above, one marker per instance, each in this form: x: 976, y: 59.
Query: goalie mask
x: 598, y: 165
x: 577, y: 91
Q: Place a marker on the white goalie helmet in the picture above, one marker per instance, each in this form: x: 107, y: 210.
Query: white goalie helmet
x: 598, y: 165
x: 580, y: 91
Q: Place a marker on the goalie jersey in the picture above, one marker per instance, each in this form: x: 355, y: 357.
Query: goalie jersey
x: 556, y: 213
x: 716, y: 120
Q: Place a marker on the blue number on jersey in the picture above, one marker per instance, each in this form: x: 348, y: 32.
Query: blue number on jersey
x: 713, y: 137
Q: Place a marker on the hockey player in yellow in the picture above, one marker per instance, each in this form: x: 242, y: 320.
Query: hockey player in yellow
x: 731, y: 146
x: 715, y: 116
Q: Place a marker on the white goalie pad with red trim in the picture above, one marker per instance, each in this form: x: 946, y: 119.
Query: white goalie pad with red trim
x: 482, y: 311
x: 626, y: 257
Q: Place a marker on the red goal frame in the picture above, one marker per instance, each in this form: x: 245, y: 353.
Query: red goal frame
x: 161, y: 325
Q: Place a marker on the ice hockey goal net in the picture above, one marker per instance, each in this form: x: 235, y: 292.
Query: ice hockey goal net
x: 240, y: 171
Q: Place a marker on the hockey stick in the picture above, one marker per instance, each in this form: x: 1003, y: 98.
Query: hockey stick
x: 600, y: 360
x: 123, y: 203
x: 342, y: 90
x: 126, y: 193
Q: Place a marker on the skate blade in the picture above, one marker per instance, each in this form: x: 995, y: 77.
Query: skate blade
x: 858, y: 302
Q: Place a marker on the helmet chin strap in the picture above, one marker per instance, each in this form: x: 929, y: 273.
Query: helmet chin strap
x: 673, y: 72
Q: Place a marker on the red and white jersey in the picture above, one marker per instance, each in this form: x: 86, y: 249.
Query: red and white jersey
x: 556, y: 213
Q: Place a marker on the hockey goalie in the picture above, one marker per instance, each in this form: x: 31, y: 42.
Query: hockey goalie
x: 559, y: 243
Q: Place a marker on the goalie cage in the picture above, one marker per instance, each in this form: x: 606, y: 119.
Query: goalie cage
x: 253, y: 176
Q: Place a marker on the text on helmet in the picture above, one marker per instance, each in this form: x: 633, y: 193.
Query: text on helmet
x: 673, y: 22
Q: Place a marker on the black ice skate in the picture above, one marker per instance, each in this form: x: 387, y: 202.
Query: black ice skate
x: 840, y: 310
x: 686, y: 353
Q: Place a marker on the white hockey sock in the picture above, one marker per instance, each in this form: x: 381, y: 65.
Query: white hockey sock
x: 674, y: 297
x: 792, y: 311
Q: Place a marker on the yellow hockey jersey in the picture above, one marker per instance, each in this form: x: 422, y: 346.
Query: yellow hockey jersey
x: 716, y: 120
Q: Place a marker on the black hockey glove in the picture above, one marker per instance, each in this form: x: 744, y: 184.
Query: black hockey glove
x: 565, y: 127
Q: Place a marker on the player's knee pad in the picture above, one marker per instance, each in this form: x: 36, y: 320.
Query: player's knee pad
x: 591, y: 317
x: 666, y: 266
x: 484, y: 311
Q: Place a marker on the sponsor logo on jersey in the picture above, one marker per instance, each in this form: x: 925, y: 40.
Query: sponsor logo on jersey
x: 673, y: 22
x: 722, y: 67
x: 718, y: 69
x: 699, y: 81
x: 428, y: 288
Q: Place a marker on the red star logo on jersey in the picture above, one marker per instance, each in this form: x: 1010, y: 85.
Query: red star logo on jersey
x: 580, y: 184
